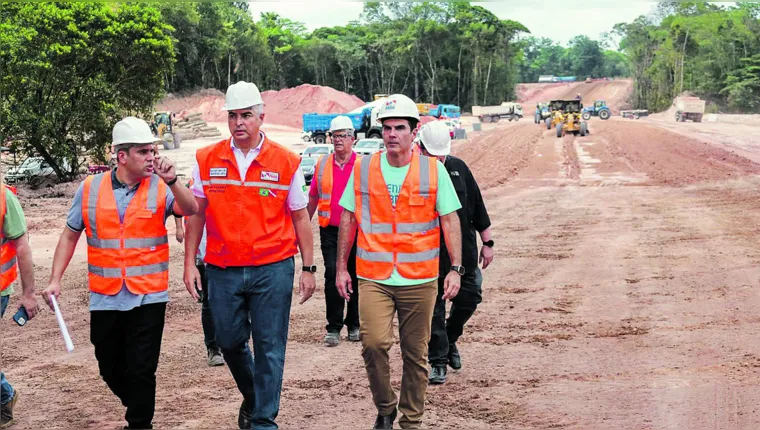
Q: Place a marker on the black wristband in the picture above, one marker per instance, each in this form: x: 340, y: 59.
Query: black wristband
x: 172, y: 182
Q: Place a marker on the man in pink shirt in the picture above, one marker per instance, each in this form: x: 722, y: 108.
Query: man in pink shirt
x: 330, y: 178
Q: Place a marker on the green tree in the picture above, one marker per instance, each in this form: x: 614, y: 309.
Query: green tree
x: 71, y: 70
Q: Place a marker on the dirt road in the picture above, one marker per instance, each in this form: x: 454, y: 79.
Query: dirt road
x: 624, y: 295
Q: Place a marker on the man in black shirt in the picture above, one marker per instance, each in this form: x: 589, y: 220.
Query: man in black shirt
x: 435, y: 141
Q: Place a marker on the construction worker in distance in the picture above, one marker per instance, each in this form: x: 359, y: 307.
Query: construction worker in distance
x: 399, y: 201
x: 332, y: 173
x: 252, y: 200
x: 15, y: 257
x: 123, y: 214
x: 435, y: 141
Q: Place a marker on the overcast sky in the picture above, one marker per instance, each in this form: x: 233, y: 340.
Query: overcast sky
x: 558, y: 20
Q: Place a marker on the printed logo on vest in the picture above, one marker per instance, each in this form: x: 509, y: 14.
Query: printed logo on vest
x: 454, y: 173
x: 218, y: 172
x: 270, y: 176
x: 263, y: 192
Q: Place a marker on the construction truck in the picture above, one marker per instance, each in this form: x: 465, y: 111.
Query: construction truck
x: 317, y: 125
x: 507, y: 110
x: 692, y: 108
x: 567, y: 118
x: 445, y: 111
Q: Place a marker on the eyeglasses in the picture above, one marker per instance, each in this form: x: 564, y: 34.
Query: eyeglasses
x: 340, y: 136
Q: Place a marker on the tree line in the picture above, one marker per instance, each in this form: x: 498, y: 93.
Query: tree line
x: 72, y: 69
x: 710, y: 50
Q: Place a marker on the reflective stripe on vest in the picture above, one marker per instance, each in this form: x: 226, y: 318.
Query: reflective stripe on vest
x: 387, y: 244
x: 8, y: 270
x: 122, y: 254
x: 323, y: 206
x: 246, y: 184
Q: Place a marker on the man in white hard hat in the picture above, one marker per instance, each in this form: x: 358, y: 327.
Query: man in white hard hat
x: 252, y: 200
x: 435, y: 141
x: 332, y: 173
x: 399, y: 201
x: 123, y: 214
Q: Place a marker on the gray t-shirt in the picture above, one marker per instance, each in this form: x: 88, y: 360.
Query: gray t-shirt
x: 124, y: 300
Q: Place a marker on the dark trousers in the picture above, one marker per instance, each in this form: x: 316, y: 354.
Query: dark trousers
x: 447, y: 331
x: 127, y: 347
x: 254, y: 301
x: 209, y: 338
x: 328, y: 237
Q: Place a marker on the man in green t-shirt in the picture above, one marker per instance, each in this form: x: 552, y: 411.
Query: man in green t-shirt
x: 14, y: 239
x: 397, y: 257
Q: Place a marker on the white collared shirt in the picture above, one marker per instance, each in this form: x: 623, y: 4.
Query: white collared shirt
x: 297, y: 194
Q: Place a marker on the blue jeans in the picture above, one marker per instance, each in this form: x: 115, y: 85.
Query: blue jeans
x: 253, y: 301
x: 6, y: 391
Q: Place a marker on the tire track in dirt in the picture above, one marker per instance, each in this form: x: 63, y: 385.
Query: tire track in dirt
x: 499, y: 155
x: 668, y: 158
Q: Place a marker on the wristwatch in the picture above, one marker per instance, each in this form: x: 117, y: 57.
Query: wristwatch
x: 310, y: 269
x: 489, y: 243
x: 458, y: 269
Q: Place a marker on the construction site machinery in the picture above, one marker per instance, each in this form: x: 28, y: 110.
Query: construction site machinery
x: 692, y: 108
x: 634, y: 114
x: 567, y: 118
x: 162, y: 127
x: 599, y: 109
x: 445, y: 111
x: 425, y: 108
x: 318, y: 124
x: 506, y: 110
x: 542, y: 112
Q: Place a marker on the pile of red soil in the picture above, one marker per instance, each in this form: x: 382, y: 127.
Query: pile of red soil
x: 284, y: 107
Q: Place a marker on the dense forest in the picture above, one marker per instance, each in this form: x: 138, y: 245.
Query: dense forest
x: 451, y: 52
x: 707, y: 49
x: 72, y: 69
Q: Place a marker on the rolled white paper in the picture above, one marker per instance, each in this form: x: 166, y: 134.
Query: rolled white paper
x: 62, y: 325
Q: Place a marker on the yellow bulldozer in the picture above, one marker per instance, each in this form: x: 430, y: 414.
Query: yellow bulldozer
x: 566, y: 117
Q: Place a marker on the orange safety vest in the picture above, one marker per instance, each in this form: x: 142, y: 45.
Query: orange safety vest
x: 8, y: 272
x: 248, y: 222
x: 324, y: 188
x: 406, y: 237
x: 135, y: 252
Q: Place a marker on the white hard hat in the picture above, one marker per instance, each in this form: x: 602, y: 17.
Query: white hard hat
x: 398, y: 106
x: 132, y: 130
x: 436, y: 138
x: 242, y: 95
x: 341, y: 122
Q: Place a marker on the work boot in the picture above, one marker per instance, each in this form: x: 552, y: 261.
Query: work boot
x: 6, y: 412
x: 385, y: 421
x: 353, y: 334
x: 215, y: 357
x: 437, y: 375
x: 245, y: 415
x: 455, y: 361
x: 332, y: 338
